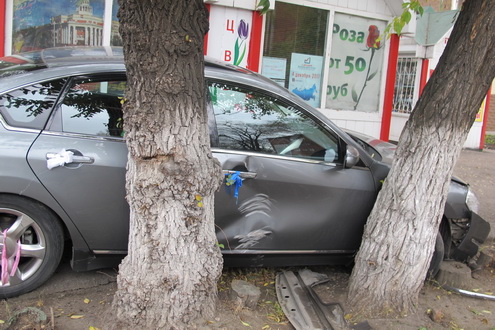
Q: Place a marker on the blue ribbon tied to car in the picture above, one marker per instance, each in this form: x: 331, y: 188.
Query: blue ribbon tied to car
x: 234, y: 180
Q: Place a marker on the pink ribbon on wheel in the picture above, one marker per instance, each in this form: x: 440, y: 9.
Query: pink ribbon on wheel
x: 5, y: 260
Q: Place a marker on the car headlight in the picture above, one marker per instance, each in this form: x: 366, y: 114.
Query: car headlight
x: 472, y: 201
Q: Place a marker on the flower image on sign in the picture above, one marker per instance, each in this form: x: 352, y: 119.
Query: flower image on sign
x: 305, y: 77
x: 355, y: 65
x: 229, y: 35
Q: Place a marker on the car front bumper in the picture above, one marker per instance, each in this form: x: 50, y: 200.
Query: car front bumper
x: 475, y: 236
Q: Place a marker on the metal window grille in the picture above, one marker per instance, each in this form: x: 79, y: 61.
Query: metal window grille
x: 405, y: 82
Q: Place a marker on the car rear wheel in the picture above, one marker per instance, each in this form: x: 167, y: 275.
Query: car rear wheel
x: 32, y: 228
x: 437, y: 258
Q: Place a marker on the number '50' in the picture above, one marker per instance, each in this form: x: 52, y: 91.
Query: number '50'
x: 359, y: 64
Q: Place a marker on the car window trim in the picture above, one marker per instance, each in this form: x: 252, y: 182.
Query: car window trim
x: 273, y: 156
x: 83, y: 136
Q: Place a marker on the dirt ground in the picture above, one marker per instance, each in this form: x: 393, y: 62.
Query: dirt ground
x: 81, y: 300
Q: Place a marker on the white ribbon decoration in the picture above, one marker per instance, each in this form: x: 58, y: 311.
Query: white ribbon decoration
x: 60, y: 159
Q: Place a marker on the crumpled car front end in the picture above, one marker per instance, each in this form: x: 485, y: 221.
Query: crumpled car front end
x: 468, y: 229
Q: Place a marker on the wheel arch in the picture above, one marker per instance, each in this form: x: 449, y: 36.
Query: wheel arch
x: 70, y: 231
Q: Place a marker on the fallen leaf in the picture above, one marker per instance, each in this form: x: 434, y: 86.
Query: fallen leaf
x: 93, y: 328
x: 86, y: 301
x: 245, y: 324
x: 486, y: 312
x: 2, y: 321
x: 347, y: 317
x: 75, y: 317
x: 266, y: 327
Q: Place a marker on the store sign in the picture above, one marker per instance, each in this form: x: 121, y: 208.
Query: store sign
x: 481, y: 112
x: 355, y: 65
x: 305, y: 77
x: 229, y: 35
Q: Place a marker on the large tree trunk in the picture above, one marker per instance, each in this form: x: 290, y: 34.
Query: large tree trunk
x: 170, y: 275
x: 400, y: 234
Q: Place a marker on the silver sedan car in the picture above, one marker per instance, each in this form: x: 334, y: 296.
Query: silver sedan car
x: 307, y: 186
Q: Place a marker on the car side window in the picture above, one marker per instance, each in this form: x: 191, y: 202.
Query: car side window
x: 30, y: 106
x: 94, y: 107
x: 252, y: 121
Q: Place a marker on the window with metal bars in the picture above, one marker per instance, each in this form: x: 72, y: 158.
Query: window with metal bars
x: 405, y: 85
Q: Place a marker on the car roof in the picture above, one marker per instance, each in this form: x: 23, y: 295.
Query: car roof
x: 52, y: 63
x: 80, y: 55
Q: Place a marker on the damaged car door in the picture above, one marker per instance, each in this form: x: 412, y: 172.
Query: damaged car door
x: 296, y: 195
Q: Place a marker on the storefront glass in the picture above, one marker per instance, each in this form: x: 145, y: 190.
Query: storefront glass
x: 40, y: 24
x: 356, y: 64
x: 294, y: 48
x: 115, y: 39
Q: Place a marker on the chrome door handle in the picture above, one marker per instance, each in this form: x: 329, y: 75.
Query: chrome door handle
x: 75, y: 158
x: 244, y: 175
x: 83, y: 159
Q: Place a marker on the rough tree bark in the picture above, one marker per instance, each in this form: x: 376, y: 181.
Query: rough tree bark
x: 400, y: 234
x: 169, y: 277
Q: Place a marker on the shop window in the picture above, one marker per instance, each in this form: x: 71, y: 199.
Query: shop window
x: 405, y: 85
x: 43, y: 24
x: 294, y: 48
x: 115, y: 38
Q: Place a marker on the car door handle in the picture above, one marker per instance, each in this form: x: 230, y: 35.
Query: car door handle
x: 67, y: 157
x: 244, y: 175
x: 83, y: 159
x: 75, y: 158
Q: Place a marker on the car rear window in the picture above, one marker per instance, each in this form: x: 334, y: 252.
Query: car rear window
x: 30, y: 106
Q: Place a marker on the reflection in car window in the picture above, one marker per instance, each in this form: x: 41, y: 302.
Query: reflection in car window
x: 251, y: 121
x: 29, y: 107
x: 94, y: 108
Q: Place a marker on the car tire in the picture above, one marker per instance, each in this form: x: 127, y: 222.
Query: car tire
x: 437, y: 258
x: 42, y: 242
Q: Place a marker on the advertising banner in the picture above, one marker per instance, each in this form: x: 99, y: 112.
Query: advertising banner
x: 39, y: 24
x: 356, y: 64
x: 274, y: 68
x: 305, y: 77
